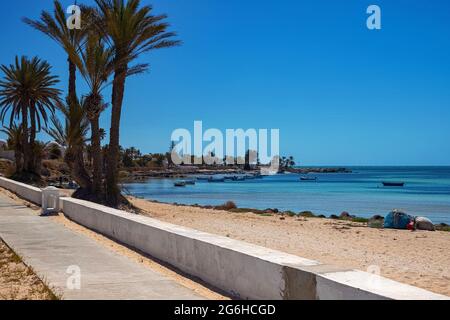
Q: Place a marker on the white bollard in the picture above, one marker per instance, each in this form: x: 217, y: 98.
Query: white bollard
x: 50, y: 200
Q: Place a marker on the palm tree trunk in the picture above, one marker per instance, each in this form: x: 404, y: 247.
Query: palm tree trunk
x: 72, y: 93
x: 79, y: 171
x: 31, y: 166
x: 96, y: 153
x: 82, y: 176
x: 112, y: 189
x: 25, y: 144
x: 18, y: 159
x: 75, y: 160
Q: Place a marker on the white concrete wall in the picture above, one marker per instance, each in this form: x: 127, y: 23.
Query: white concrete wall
x: 25, y: 191
x: 241, y: 269
x: 244, y: 270
x: 7, y: 154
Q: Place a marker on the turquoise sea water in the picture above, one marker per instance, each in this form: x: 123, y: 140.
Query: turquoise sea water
x: 426, y: 192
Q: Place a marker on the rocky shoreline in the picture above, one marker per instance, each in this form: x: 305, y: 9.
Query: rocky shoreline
x: 139, y: 175
x: 319, y: 170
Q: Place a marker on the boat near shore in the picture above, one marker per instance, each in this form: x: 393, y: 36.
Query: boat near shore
x: 216, y: 179
x: 393, y: 184
x: 311, y: 179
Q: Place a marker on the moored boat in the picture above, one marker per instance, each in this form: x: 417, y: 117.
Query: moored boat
x: 180, y: 184
x: 204, y: 178
x: 308, y: 178
x: 393, y: 183
x: 216, y: 180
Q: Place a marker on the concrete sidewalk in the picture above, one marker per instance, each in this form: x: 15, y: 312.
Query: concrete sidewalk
x: 50, y: 249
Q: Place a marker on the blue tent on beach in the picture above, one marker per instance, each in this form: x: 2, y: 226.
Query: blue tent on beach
x: 397, y: 220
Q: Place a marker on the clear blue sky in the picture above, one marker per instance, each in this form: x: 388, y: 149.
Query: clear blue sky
x: 339, y: 93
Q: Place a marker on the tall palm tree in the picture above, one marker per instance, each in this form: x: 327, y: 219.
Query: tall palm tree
x: 54, y: 26
x: 27, y: 92
x: 96, y: 67
x: 132, y: 30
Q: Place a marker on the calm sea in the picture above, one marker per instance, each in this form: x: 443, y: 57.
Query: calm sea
x: 426, y: 192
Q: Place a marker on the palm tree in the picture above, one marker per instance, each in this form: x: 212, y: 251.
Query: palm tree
x: 14, y: 134
x: 96, y: 66
x: 73, y: 136
x: 291, y: 161
x: 131, y: 30
x: 54, y: 26
x: 27, y: 92
x: 102, y: 133
x: 58, y: 131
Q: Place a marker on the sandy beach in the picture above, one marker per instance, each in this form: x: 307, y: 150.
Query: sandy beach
x: 418, y: 258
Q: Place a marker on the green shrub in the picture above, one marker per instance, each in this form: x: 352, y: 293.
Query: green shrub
x: 227, y: 206
x: 307, y: 214
x: 289, y: 213
x: 359, y: 219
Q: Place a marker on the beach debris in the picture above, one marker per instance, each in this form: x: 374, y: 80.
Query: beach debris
x: 397, y: 219
x: 423, y: 223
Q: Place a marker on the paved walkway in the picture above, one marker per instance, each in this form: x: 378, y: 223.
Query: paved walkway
x: 50, y: 249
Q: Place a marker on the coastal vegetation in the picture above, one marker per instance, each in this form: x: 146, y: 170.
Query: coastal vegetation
x: 105, y: 51
x: 27, y: 92
x: 113, y: 36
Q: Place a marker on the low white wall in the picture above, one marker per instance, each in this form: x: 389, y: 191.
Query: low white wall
x: 25, y: 191
x: 7, y: 154
x: 244, y: 270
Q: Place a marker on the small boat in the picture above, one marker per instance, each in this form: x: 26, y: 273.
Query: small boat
x: 180, y: 184
x: 393, y: 184
x: 190, y: 182
x: 204, y: 178
x: 308, y: 179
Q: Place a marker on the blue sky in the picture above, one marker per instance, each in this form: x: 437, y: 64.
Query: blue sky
x: 339, y: 93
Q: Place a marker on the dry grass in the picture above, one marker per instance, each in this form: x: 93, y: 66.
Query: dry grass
x: 18, y: 281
